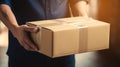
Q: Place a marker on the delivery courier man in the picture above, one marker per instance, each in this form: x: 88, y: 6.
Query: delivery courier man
x: 14, y: 14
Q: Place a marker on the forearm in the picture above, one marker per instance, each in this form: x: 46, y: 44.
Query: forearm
x: 8, y: 18
x: 79, y: 8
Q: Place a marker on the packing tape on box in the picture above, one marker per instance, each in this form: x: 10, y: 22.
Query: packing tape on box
x: 83, y: 35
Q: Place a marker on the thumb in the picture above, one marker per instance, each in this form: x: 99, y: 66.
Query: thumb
x: 30, y: 29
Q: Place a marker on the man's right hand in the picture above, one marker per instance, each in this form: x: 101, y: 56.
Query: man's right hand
x: 21, y: 34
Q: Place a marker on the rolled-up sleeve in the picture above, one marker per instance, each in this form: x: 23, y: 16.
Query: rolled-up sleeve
x: 7, y: 2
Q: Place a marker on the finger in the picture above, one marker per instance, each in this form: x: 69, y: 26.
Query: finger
x: 31, y: 44
x: 30, y: 29
x: 25, y: 46
x: 29, y: 48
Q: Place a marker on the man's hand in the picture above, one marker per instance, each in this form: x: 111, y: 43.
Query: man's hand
x: 21, y: 34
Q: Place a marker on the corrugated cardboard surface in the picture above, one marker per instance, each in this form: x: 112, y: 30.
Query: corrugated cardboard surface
x: 61, y: 37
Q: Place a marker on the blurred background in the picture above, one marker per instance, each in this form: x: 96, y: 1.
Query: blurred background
x: 104, y: 10
x: 3, y: 45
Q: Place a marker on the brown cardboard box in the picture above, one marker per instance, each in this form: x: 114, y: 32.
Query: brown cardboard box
x: 66, y: 36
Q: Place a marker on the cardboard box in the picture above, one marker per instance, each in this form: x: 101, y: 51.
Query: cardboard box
x: 66, y: 36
